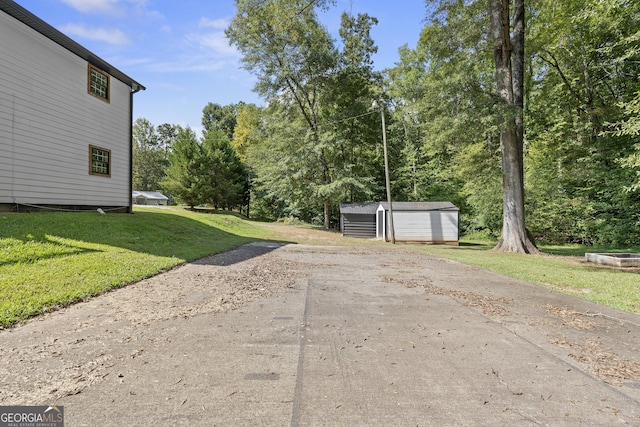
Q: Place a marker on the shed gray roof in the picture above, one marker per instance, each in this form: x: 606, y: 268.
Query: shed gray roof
x: 154, y: 195
x: 13, y: 9
x: 359, y: 208
x: 421, y: 206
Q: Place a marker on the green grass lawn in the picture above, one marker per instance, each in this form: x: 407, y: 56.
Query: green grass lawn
x: 49, y: 260
x: 559, y: 268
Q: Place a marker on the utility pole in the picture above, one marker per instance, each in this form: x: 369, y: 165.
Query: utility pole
x: 386, y: 172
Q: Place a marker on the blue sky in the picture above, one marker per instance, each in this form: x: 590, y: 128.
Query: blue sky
x: 178, y: 51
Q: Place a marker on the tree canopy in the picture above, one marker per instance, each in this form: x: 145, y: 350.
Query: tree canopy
x: 309, y: 84
x: 521, y: 113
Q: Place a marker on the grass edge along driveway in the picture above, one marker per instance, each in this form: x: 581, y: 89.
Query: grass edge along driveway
x: 561, y: 268
x: 51, y: 260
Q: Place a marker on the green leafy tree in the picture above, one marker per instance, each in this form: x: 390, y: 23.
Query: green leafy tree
x: 246, y: 132
x: 249, y: 142
x: 167, y: 134
x: 507, y: 35
x: 585, y: 71
x: 148, y: 158
x: 222, y: 118
x: 631, y: 128
x: 443, y: 104
x: 352, y: 133
x: 224, y: 175
x: 184, y: 178
x: 474, y: 110
x: 286, y: 165
x: 292, y: 55
x: 327, y: 150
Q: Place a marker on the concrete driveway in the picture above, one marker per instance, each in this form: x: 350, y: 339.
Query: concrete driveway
x: 330, y: 336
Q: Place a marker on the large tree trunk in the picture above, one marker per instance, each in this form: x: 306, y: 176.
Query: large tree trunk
x: 509, y: 82
x: 327, y: 214
x: 517, y: 76
x: 514, y: 234
x: 326, y: 180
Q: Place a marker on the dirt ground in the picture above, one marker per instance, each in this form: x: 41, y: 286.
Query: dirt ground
x: 63, y: 353
x: 44, y: 360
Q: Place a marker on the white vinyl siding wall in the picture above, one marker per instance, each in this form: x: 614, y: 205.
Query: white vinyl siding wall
x: 48, y: 120
x: 426, y: 222
x: 430, y: 226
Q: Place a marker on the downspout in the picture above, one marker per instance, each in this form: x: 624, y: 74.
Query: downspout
x: 135, y: 88
x: 13, y: 150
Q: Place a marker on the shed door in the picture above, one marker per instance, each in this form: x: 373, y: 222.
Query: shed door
x: 380, y: 225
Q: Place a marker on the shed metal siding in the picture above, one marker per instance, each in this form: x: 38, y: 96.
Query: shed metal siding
x: 429, y: 226
x: 359, y: 225
x: 358, y: 219
x: 428, y: 222
x: 48, y: 120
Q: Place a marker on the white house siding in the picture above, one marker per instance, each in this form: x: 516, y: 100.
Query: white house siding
x: 48, y: 120
x: 427, y: 226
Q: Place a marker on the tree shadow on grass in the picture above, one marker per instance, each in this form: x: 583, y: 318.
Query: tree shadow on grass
x: 35, y: 237
x: 38, y: 248
x: 579, y: 251
x: 120, y: 248
x: 241, y: 254
x: 478, y: 246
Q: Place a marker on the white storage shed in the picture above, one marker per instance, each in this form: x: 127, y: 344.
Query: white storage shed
x: 422, y: 222
x: 149, y: 198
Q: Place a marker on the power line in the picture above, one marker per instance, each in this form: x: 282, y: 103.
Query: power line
x: 346, y: 119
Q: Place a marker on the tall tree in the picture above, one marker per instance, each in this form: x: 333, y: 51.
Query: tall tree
x: 353, y: 134
x: 283, y: 43
x: 224, y: 175
x: 184, y: 178
x: 167, y: 134
x: 148, y: 158
x: 223, y: 118
x: 443, y: 97
x: 572, y: 116
x: 246, y: 132
x: 509, y: 61
x: 584, y: 71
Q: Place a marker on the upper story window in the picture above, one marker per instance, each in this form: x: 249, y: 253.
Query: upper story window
x: 99, y: 161
x: 98, y: 84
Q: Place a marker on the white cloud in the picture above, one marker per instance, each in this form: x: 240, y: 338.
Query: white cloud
x: 107, y: 35
x: 215, y: 43
x: 132, y: 61
x: 193, y: 64
x: 152, y: 15
x: 92, y: 6
x: 219, y: 24
x: 197, y: 52
x: 112, y: 7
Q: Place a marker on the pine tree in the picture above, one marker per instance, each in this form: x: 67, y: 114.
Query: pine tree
x: 184, y: 178
x: 223, y: 173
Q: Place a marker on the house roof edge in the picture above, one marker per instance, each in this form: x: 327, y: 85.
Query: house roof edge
x: 18, y: 12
